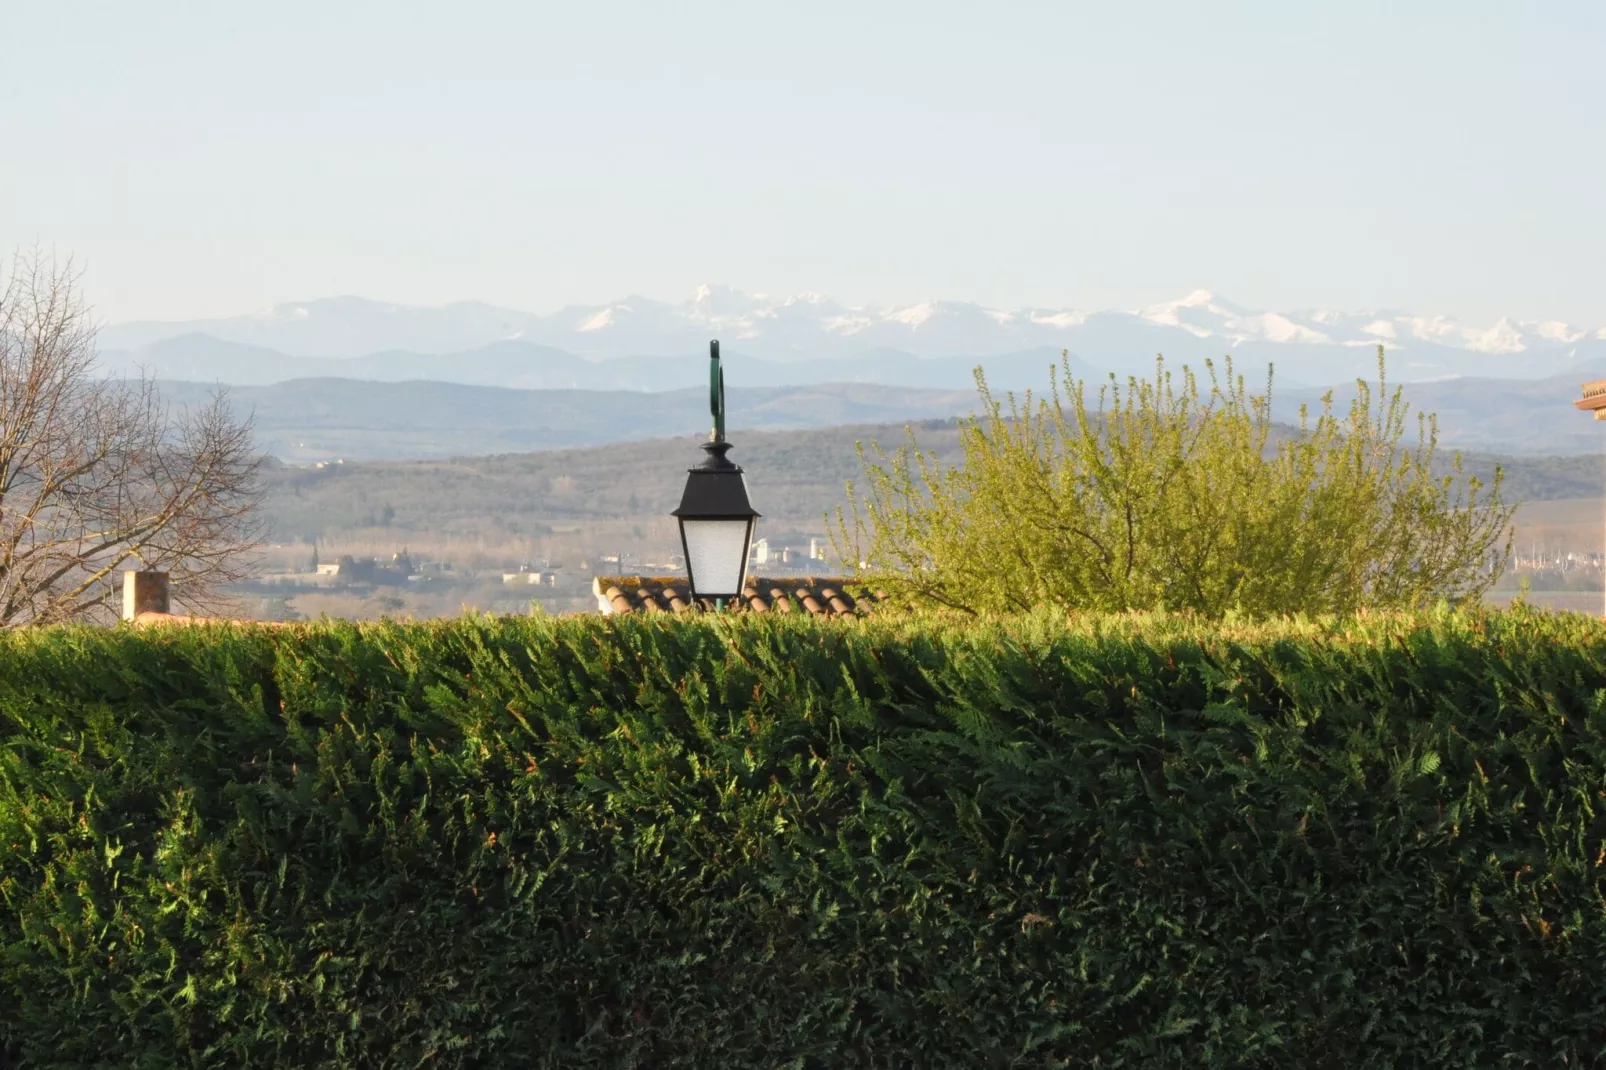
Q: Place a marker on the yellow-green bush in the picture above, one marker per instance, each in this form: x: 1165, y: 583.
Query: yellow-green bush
x: 617, y: 842
x: 1182, y: 494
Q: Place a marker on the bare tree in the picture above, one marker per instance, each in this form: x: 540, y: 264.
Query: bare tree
x: 97, y: 475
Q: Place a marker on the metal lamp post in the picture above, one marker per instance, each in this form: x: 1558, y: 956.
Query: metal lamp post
x: 716, y: 519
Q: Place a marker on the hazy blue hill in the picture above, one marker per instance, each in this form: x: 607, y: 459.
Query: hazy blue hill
x: 313, y: 419
x: 517, y: 364
x: 1498, y: 415
x: 525, y: 365
x: 795, y: 477
x: 341, y: 327
x: 517, y: 395
x: 203, y: 358
x: 316, y: 419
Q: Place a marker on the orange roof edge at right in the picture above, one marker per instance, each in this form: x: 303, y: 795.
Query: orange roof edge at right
x: 1594, y: 396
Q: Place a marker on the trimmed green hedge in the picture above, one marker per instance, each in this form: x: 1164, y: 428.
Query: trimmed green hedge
x: 766, y: 842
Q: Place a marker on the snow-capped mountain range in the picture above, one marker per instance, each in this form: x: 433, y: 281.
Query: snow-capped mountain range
x: 1308, y: 347
x: 1205, y: 315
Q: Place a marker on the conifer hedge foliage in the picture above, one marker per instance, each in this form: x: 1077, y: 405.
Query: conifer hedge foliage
x: 618, y: 842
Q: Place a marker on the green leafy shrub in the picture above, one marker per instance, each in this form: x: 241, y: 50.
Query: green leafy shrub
x: 1172, y: 494
x: 1120, y: 842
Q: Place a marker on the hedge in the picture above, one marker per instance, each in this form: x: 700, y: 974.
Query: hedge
x: 616, y: 842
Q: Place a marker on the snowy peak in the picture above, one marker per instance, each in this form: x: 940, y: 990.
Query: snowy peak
x: 1398, y: 329
x: 811, y: 325
x: 1205, y: 315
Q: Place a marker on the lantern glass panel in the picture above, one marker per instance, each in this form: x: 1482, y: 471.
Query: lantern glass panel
x: 716, y: 555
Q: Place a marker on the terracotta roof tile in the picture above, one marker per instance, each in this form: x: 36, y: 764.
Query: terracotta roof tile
x: 615, y: 597
x: 150, y: 618
x: 820, y: 596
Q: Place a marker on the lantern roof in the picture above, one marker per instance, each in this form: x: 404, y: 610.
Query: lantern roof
x: 715, y: 489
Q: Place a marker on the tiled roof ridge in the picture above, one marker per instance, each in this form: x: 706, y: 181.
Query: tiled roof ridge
x: 148, y: 618
x: 822, y: 596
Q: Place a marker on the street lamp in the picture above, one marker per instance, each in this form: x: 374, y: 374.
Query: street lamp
x: 716, y: 519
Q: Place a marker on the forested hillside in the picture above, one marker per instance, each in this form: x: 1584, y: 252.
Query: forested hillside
x: 795, y: 478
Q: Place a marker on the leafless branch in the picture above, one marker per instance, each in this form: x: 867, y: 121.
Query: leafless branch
x: 98, y: 475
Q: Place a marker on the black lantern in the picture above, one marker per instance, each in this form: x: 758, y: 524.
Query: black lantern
x: 716, y: 519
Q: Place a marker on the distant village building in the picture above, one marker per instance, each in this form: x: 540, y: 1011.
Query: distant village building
x: 349, y: 569
x: 529, y: 575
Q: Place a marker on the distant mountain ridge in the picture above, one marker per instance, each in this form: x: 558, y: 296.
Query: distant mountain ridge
x: 1312, y: 347
x: 306, y: 420
x: 526, y: 366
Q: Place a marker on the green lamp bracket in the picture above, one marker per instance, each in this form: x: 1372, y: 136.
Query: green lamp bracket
x: 716, y: 391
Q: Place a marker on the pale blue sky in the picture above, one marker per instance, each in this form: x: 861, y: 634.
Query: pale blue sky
x: 212, y: 158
